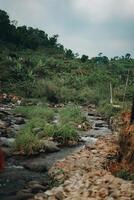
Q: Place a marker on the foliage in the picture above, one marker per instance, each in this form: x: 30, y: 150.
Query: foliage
x: 71, y: 114
x: 84, y: 58
x: 33, y: 64
x: 107, y: 110
x: 41, y: 118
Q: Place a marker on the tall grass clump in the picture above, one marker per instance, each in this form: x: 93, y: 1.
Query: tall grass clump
x: 26, y: 142
x: 63, y: 133
x: 71, y: 114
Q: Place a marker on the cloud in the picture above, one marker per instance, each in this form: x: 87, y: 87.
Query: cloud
x: 99, y: 11
x: 86, y: 26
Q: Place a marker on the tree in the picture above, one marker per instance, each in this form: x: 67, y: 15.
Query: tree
x: 127, y: 56
x: 84, y: 58
x: 53, y: 40
x: 69, y: 54
x: 4, y: 26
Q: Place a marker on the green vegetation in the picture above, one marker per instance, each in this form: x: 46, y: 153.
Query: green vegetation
x: 34, y: 65
x: 40, y: 126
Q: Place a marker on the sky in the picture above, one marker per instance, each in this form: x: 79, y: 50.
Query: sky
x: 85, y: 26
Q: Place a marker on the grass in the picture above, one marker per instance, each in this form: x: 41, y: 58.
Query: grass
x: 41, y: 117
x: 63, y: 133
x: 41, y: 112
x: 71, y: 114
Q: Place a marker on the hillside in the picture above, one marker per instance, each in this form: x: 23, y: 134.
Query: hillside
x: 48, y: 70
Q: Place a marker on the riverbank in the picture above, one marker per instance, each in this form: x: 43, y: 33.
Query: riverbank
x: 21, y: 169
x: 84, y: 175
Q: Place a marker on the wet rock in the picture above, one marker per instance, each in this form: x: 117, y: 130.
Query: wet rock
x: 100, y: 124
x: 20, y: 121
x: 36, y: 186
x: 7, y: 142
x: 19, y: 115
x: 35, y: 166
x: 49, y: 146
x: 16, y: 127
x: 3, y: 124
x: 24, y: 194
x: 10, y: 132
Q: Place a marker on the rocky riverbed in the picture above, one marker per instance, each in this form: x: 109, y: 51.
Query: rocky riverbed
x: 84, y: 176
x: 23, y: 176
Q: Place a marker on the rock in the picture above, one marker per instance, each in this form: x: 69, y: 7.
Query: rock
x: 20, y: 121
x: 49, y: 146
x: 103, y: 192
x: 59, y: 195
x: 3, y: 124
x: 36, y: 186
x: 7, y: 142
x: 49, y: 193
x: 24, y: 194
x: 40, y: 196
x: 7, y: 151
x: 16, y: 127
x: 19, y: 115
x: 35, y: 166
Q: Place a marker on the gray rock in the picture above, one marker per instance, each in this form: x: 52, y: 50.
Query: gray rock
x: 38, y: 188
x: 7, y: 142
x: 24, y: 194
x: 20, y: 121
x: 35, y: 166
x: 49, y: 146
